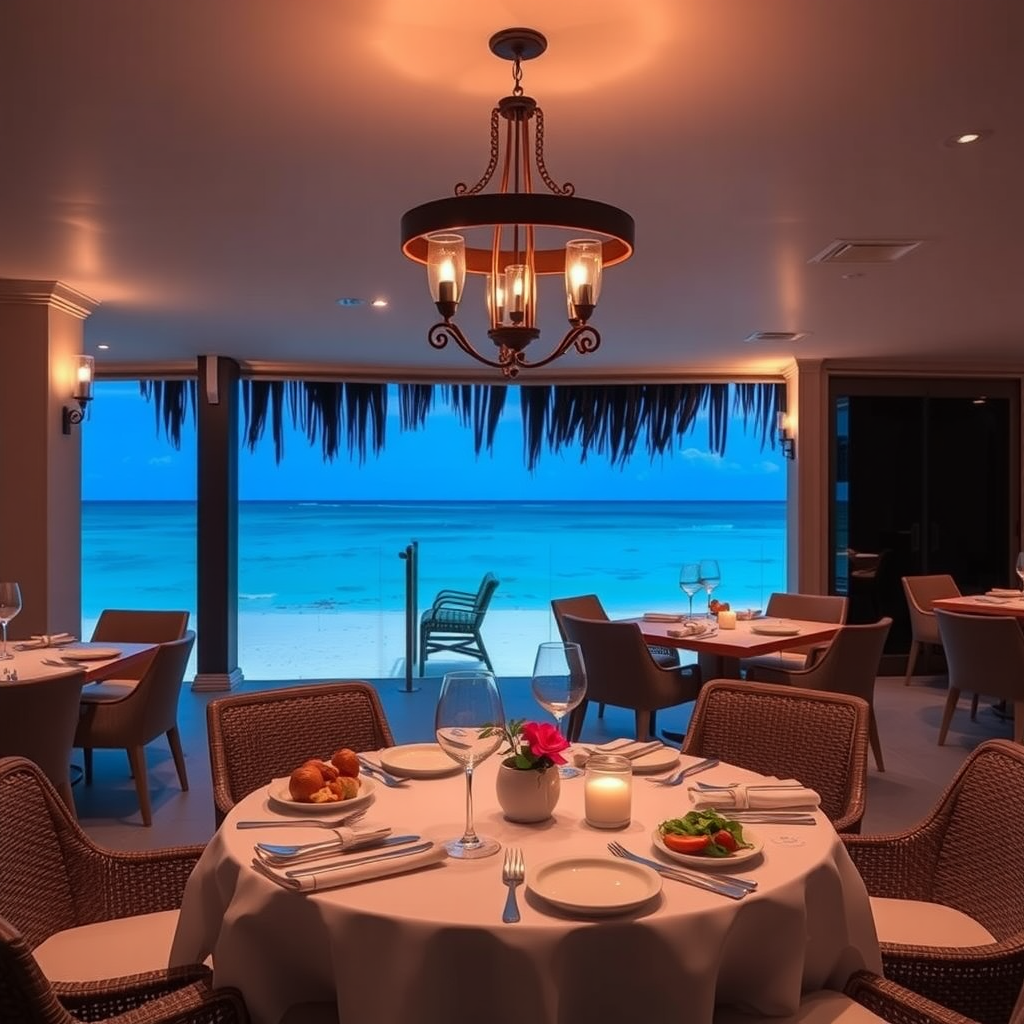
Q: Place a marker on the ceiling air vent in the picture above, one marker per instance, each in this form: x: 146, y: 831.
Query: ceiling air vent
x: 778, y: 337
x: 847, y: 251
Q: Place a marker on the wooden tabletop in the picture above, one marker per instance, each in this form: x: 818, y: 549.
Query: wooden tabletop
x: 981, y: 604
x: 32, y: 663
x: 741, y: 642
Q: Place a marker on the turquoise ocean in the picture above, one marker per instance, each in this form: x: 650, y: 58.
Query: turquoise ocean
x: 321, y: 560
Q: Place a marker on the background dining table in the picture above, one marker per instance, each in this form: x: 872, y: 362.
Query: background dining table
x: 430, y: 945
x: 982, y: 604
x: 44, y: 662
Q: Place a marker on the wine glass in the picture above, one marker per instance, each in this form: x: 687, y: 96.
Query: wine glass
x: 559, y: 684
x: 467, y: 704
x: 710, y: 577
x: 690, y: 582
x: 1020, y: 568
x: 10, y: 605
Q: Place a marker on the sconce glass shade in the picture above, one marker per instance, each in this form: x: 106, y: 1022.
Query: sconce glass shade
x: 496, y: 293
x: 583, y: 264
x: 446, y: 270
x: 84, y: 369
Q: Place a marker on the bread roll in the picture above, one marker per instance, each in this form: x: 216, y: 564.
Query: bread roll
x: 305, y: 781
x: 347, y: 762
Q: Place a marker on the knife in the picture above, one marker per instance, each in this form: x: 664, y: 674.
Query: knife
x: 309, y: 850
x: 726, y: 885
x: 356, y: 861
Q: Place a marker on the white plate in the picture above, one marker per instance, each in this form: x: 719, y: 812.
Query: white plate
x: 696, y: 860
x: 659, y: 760
x: 774, y: 629
x: 281, y: 796
x: 594, y: 885
x: 90, y: 653
x: 990, y: 599
x: 662, y: 617
x: 418, y: 761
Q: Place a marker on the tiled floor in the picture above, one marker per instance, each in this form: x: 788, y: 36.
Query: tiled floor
x: 917, y: 768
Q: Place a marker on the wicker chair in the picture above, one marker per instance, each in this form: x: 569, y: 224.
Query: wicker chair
x: 132, y: 714
x: 257, y: 737
x: 920, y: 592
x: 849, y: 665
x: 38, y: 721
x: 622, y: 672
x: 56, y: 881
x: 181, y: 995
x: 819, y: 738
x: 453, y: 622
x: 967, y: 855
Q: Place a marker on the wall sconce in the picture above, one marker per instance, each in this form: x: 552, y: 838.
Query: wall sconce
x: 786, y: 438
x: 82, y: 393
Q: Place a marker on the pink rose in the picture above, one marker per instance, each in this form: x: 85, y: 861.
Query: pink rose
x: 544, y: 739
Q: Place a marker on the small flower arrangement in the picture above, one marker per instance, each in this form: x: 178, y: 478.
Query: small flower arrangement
x: 530, y: 745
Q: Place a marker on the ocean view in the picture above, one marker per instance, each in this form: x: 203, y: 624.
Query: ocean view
x: 322, y: 586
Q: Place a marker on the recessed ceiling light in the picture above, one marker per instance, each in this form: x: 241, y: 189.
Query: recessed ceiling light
x: 347, y: 303
x: 103, y: 348
x: 966, y: 138
x: 380, y: 303
x: 776, y: 336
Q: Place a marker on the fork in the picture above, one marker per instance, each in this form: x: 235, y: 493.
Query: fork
x: 735, y: 889
x: 684, y: 773
x: 375, y: 771
x: 512, y: 874
x: 345, y: 819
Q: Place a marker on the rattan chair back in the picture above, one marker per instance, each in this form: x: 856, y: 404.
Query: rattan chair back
x: 921, y: 592
x: 816, y: 737
x: 257, y: 737
x: 38, y: 721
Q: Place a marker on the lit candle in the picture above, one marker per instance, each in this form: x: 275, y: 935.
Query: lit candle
x: 446, y: 282
x: 727, y: 620
x: 586, y: 295
x: 608, y: 791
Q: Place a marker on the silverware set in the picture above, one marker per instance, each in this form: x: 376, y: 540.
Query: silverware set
x: 725, y: 885
x: 676, y: 778
x: 376, y: 772
x: 513, y: 873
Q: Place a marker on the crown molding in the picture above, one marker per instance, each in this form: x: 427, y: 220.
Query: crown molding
x: 54, y: 294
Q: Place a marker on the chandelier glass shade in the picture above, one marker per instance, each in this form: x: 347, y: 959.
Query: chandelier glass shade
x: 519, y: 222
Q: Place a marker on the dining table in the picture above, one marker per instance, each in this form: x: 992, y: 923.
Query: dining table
x: 98, y: 661
x: 719, y: 651
x: 984, y: 604
x: 430, y: 945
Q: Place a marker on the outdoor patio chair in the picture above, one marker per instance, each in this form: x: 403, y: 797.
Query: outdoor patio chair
x: 819, y: 738
x: 130, y: 714
x: 85, y: 912
x: 621, y: 672
x: 948, y: 893
x: 257, y: 737
x: 452, y: 623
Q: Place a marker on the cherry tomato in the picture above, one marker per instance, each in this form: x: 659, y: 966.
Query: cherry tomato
x: 686, y: 844
x: 726, y: 839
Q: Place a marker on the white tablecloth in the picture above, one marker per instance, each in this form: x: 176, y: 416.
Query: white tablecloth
x: 429, y: 946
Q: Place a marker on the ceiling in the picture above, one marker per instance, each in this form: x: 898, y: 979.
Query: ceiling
x: 217, y: 173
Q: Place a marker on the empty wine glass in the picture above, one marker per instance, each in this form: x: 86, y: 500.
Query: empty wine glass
x: 467, y: 704
x: 559, y: 684
x: 690, y: 582
x: 10, y: 605
x: 710, y: 577
x: 1020, y: 568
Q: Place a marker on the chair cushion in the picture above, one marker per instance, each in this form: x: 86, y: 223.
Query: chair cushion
x: 109, y: 949
x: 108, y: 691
x: 817, y: 1008
x: 916, y: 923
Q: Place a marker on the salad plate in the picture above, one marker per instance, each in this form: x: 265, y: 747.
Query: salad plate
x: 696, y: 860
x: 418, y: 761
x: 596, y: 886
x: 775, y: 628
x: 90, y: 653
x: 280, y: 796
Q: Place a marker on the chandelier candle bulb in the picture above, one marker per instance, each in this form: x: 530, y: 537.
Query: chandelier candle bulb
x: 608, y: 791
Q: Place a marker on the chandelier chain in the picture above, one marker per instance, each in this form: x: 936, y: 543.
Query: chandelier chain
x: 517, y: 77
x: 461, y: 189
x: 568, y: 188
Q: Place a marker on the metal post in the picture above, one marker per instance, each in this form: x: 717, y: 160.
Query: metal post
x: 412, y: 570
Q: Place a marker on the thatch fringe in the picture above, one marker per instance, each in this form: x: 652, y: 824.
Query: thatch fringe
x: 599, y: 419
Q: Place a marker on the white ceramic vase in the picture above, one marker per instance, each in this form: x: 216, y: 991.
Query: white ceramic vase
x: 527, y: 795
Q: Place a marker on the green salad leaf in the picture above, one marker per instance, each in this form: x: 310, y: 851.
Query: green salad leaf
x: 706, y: 823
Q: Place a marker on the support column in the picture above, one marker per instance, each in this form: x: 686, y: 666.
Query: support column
x: 41, y: 333
x: 217, y: 526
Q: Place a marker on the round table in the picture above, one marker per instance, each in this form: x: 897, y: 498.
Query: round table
x: 429, y: 946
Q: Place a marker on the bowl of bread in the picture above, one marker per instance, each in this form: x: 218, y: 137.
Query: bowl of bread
x: 323, y: 784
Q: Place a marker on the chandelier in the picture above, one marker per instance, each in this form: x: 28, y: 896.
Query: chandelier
x: 598, y: 235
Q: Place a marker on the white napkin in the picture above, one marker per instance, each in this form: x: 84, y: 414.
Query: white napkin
x: 634, y: 749
x: 693, y: 629
x: 46, y: 640
x: 662, y: 617
x: 359, y: 869
x: 1002, y: 592
x: 772, y: 794
x: 344, y: 838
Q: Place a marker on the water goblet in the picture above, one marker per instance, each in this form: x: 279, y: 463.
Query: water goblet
x: 10, y: 605
x: 710, y: 577
x: 690, y: 582
x: 468, y: 703
x: 1020, y: 568
x: 559, y: 684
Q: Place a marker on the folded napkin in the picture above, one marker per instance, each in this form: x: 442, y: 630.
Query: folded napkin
x: 772, y: 794
x: 631, y: 751
x: 1002, y: 592
x: 662, y: 617
x: 341, y: 839
x: 358, y: 869
x: 992, y: 599
x: 46, y: 640
x: 694, y: 629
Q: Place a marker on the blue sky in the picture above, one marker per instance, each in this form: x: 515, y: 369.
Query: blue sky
x: 126, y: 458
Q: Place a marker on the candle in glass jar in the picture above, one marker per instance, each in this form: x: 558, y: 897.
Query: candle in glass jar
x: 608, y: 791
x: 727, y: 620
